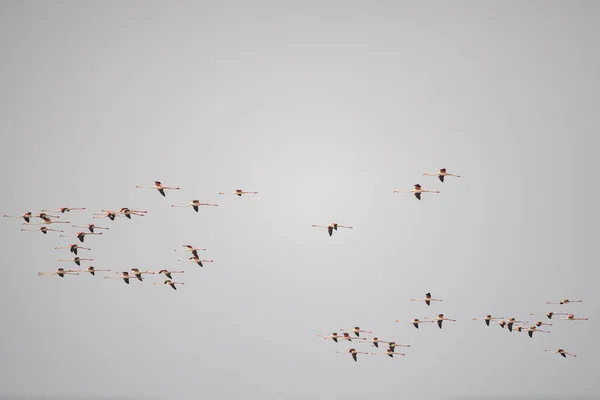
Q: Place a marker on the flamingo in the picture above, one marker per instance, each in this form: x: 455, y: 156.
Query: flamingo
x: 107, y: 214
x: 193, y: 249
x: 170, y: 283
x: 354, y: 353
x: 63, y: 210
x: 196, y: 260
x: 502, y: 324
x: 77, y: 260
x: 427, y: 299
x: 73, y: 248
x: 81, y: 235
x: 393, y: 345
x: 238, y: 192
x: 356, y: 331
x: 60, y: 272
x: 138, y: 274
x: 124, y: 275
x: 540, y: 323
x: 571, y: 317
x: 158, y: 186
x: 90, y: 227
x: 549, y: 314
x: 43, y: 215
x: 333, y: 336
x: 561, y: 352
x: 195, y: 204
x: 42, y: 229
x: 93, y: 270
x: 331, y: 227
x: 47, y: 221
x: 440, y: 318
x: 511, y: 321
x: 534, y: 329
x: 416, y: 191
x: 128, y: 212
x: 168, y: 273
x: 417, y: 321
x: 26, y: 216
x: 565, y: 301
x: 441, y: 174
x: 389, y: 352
x: 487, y: 319
x: 346, y: 337
x: 374, y: 341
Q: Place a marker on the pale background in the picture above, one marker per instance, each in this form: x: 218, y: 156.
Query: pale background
x: 324, y: 108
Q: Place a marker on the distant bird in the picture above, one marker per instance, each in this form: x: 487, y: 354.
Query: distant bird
x: 193, y: 249
x: 353, y: 352
x: 107, y: 214
x: 549, y: 314
x: 333, y: 336
x: 195, y: 204
x: 63, y: 210
x: 43, y: 215
x: 238, y: 192
x: 389, y: 353
x: 487, y: 319
x: 124, y: 275
x: 356, y: 331
x: 60, y: 272
x: 73, y: 248
x: 393, y: 345
x: 374, y: 341
x: 42, y: 229
x: 331, y: 227
x: 441, y: 174
x: 158, y: 186
x: 93, y: 270
x: 440, y: 318
x: 90, y: 227
x: 168, y: 273
x: 81, y: 235
x: 511, y: 321
x: 127, y: 212
x: 346, y: 337
x: 416, y: 191
x: 540, y: 323
x: 138, y: 274
x: 502, y: 324
x: 571, y: 317
x: 427, y: 299
x: 561, y: 352
x: 565, y: 301
x: 533, y: 329
x: 195, y: 260
x: 77, y: 260
x: 170, y: 283
x: 26, y: 216
x: 417, y: 321
x: 46, y: 221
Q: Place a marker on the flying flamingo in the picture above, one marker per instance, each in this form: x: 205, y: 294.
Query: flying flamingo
x: 354, y: 353
x: 356, y: 331
x: 90, y: 227
x: 124, y: 275
x: 427, y: 299
x: 195, y: 204
x: 193, y: 249
x: 238, y: 192
x: 534, y: 329
x: 73, y: 248
x: 549, y: 314
x: 168, y: 273
x: 47, y: 221
x: 561, y: 352
x: 487, y: 319
x: 333, y: 336
x: 77, y: 260
x: 331, y: 227
x: 346, y: 337
x: 393, y: 345
x: 26, y: 216
x: 107, y: 214
x: 43, y: 215
x: 63, y: 210
x: 170, y: 283
x: 417, y: 321
x: 502, y: 324
x: 416, y: 191
x: 129, y: 212
x: 540, y: 323
x: 374, y: 341
x: 158, y: 186
x: 93, y: 270
x: 60, y: 272
x: 81, y: 235
x: 511, y: 321
x: 43, y: 229
x: 195, y: 260
x: 441, y: 174
x: 389, y: 353
x: 565, y: 301
x: 138, y: 274
x: 440, y: 318
x: 571, y: 317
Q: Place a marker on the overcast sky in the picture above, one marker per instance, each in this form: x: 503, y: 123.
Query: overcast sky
x: 324, y: 108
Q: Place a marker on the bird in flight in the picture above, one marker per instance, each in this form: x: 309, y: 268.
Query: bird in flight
x: 158, y: 186
x: 441, y: 174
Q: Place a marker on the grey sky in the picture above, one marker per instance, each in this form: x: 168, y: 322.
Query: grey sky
x: 324, y: 109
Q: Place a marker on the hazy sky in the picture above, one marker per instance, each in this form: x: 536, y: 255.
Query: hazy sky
x: 324, y: 108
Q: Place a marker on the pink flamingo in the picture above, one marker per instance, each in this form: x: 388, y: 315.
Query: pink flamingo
x: 77, y: 260
x: 487, y: 319
x: 170, y: 283
x: 195, y: 204
x: 333, y: 336
x: 427, y: 299
x: 331, y: 227
x: 93, y: 270
x: 195, y: 260
x: 73, y: 248
x: 238, y: 192
x: 356, y: 331
x: 416, y: 191
x: 193, y: 249
x: 389, y: 352
x: 90, y: 227
x: 42, y: 229
x: 561, y: 352
x: 441, y: 174
x: 81, y: 235
x: 353, y: 352
x: 124, y: 275
x: 158, y: 186
x: 60, y: 272
x: 26, y: 216
x: 63, y: 210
